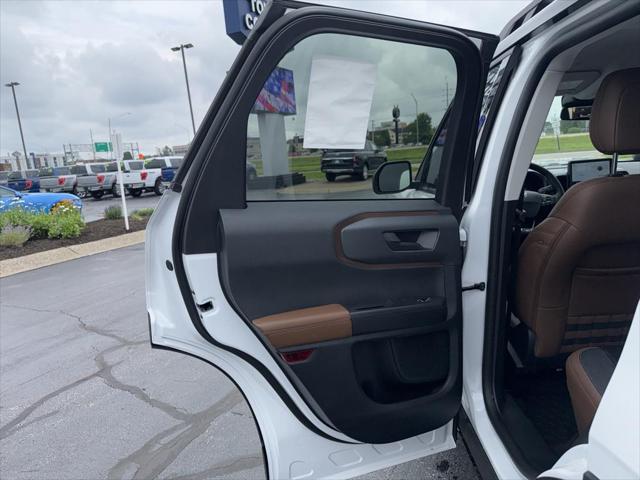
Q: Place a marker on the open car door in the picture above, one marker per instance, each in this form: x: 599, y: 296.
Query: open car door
x: 335, y: 310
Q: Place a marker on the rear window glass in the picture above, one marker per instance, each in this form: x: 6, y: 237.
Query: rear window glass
x: 78, y: 170
x: 15, y: 175
x: 61, y: 171
x: 46, y: 172
x: 98, y: 168
x: 32, y: 174
x: 4, y: 175
x: 136, y: 165
x: 156, y: 163
x: 176, y: 162
x: 112, y: 167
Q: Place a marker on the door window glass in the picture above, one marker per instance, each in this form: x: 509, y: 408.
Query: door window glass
x: 336, y: 108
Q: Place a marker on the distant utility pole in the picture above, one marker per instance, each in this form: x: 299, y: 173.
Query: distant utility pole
x: 93, y: 145
x: 181, y: 49
x: 417, y: 128
x: 446, y: 82
x: 13, y: 86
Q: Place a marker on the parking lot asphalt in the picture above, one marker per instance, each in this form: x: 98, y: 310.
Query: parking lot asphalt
x: 94, y: 209
x: 83, y: 396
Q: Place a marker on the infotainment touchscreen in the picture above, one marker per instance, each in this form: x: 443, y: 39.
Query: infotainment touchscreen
x: 581, y: 170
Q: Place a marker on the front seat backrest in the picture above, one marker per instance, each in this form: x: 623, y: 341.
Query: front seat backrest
x: 578, y: 279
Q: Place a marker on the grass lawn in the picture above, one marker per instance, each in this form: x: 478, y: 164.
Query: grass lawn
x: 310, y: 166
x: 568, y: 143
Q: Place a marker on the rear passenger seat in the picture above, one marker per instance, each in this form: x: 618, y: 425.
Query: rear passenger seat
x: 588, y: 373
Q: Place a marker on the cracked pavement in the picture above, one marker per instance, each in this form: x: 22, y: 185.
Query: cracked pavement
x: 83, y: 396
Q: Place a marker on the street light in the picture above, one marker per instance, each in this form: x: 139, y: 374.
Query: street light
x: 13, y: 86
x: 417, y: 128
x: 181, y: 49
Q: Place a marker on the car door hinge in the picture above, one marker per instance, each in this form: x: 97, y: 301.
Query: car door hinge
x: 476, y: 286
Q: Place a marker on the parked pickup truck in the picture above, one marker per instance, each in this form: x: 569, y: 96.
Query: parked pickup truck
x: 24, y: 181
x: 356, y: 163
x: 140, y: 177
x: 96, y: 179
x: 169, y: 172
x: 57, y: 179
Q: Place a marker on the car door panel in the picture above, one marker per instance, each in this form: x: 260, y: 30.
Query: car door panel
x: 340, y: 320
x: 371, y: 332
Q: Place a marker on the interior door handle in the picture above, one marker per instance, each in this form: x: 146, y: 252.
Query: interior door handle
x: 399, y: 244
x: 411, y: 240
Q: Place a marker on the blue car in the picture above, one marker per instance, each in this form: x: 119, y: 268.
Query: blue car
x: 39, y: 202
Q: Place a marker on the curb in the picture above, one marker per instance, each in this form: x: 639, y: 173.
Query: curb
x: 26, y: 263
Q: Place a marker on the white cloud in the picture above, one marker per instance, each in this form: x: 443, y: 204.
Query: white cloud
x: 80, y: 63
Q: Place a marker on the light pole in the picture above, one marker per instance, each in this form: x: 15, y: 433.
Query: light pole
x: 417, y: 128
x: 13, y: 86
x: 181, y: 48
x: 120, y: 181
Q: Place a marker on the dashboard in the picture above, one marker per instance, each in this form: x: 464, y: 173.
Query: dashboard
x: 576, y: 171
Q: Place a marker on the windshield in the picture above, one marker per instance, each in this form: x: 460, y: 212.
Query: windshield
x: 564, y: 141
x: 136, y: 165
x: 155, y: 163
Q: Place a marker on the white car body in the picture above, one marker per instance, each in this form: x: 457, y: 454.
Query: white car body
x: 315, y: 450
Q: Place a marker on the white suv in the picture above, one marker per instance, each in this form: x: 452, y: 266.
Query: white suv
x: 493, y: 292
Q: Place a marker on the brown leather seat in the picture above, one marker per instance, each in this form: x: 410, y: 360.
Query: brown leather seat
x: 578, y: 279
x: 588, y: 373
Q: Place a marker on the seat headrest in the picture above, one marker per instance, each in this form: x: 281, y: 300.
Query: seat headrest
x: 615, y: 115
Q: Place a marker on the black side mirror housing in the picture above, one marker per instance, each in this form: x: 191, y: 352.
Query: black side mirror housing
x: 392, y: 177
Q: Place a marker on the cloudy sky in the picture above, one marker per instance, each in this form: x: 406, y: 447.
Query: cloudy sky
x: 81, y: 62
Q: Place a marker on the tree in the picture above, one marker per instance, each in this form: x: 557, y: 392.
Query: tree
x: 127, y: 156
x: 166, y: 151
x: 425, y: 130
x: 382, y: 138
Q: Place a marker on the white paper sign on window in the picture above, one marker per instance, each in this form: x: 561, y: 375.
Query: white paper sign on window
x: 339, y: 103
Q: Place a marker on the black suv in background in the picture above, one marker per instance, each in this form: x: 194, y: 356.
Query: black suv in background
x: 356, y: 163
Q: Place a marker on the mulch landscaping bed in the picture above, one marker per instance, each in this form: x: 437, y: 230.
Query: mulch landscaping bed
x: 92, y: 231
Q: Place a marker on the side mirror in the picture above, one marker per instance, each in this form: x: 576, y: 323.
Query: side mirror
x: 392, y: 177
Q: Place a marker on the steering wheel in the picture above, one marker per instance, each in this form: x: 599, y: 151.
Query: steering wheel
x: 544, y: 198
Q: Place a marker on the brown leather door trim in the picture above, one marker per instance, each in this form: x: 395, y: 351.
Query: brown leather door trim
x: 337, y: 235
x: 307, y: 325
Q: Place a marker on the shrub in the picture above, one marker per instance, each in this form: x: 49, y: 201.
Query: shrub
x: 16, y: 216
x: 142, y: 213
x: 40, y: 225
x: 64, y: 221
x: 66, y: 224
x: 14, y: 235
x: 113, y: 212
